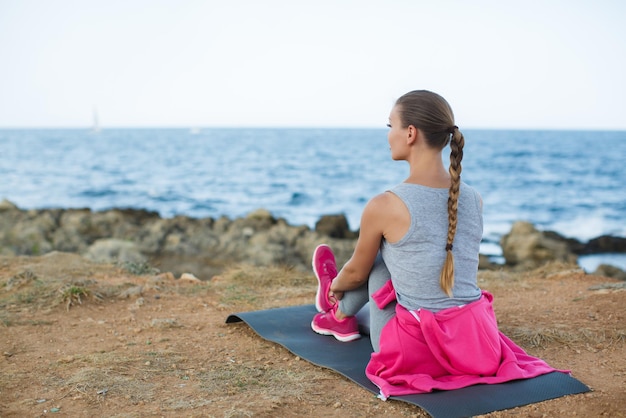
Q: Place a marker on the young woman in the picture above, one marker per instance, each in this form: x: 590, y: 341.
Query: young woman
x: 416, y: 261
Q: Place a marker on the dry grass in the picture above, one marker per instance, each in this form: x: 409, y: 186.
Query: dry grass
x: 261, y: 277
x: 110, y: 374
x: 27, y: 289
x: 250, y: 287
x: 172, y: 355
x: 95, y: 383
x: 34, y: 286
x: 543, y: 337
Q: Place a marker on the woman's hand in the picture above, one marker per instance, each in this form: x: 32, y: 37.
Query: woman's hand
x: 335, y: 296
x: 356, y: 270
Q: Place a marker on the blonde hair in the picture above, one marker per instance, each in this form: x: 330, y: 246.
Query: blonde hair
x: 432, y: 114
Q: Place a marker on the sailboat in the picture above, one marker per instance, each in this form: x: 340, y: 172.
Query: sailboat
x: 95, y: 128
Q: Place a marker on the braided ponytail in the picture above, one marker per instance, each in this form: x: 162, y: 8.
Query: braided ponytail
x: 446, y: 280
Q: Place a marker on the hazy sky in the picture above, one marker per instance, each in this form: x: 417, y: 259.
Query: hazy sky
x: 500, y: 64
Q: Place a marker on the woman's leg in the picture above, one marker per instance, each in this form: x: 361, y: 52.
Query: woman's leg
x: 378, y: 317
x: 341, y: 321
x: 330, y: 320
x: 354, y: 300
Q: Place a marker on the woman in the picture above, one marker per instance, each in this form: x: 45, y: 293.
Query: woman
x: 416, y: 261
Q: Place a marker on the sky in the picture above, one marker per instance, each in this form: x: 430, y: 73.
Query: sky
x: 535, y: 64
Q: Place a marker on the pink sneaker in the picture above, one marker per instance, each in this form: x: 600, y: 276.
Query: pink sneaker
x: 325, y: 269
x: 344, y: 330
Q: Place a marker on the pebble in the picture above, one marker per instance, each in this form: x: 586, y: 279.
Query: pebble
x: 132, y: 291
x: 189, y: 277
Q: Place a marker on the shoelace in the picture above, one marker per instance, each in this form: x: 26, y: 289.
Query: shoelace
x: 331, y: 271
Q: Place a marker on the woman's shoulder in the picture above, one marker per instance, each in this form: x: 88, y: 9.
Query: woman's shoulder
x: 468, y: 190
x: 383, y: 200
x: 384, y: 204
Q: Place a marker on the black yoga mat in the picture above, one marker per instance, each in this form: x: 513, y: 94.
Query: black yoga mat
x: 290, y: 327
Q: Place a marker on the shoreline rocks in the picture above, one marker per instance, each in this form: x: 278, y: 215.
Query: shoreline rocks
x: 177, y: 244
x: 527, y: 248
x: 204, y: 246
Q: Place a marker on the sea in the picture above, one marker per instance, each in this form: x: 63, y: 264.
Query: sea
x: 571, y: 182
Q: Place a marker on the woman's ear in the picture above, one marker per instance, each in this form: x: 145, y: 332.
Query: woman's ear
x: 412, y: 133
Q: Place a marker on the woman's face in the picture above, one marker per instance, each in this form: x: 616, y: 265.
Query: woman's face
x: 397, y: 136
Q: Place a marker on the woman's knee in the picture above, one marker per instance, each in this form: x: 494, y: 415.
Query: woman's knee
x: 379, y: 275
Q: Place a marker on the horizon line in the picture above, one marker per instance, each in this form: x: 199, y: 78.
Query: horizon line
x: 198, y: 128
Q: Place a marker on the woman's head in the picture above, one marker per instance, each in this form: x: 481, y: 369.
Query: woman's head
x: 431, y: 114
x: 428, y: 112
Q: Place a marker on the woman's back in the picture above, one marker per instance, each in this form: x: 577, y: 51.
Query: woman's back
x: 416, y: 260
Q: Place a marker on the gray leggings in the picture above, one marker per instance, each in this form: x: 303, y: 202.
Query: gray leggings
x: 354, y: 300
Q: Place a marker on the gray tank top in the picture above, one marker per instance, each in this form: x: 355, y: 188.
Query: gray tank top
x: 416, y: 260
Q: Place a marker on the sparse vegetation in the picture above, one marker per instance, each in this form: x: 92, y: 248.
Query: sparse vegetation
x: 166, y: 351
x: 72, y: 294
x: 138, y: 268
x: 543, y: 337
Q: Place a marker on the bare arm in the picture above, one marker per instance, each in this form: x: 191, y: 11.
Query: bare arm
x: 356, y: 271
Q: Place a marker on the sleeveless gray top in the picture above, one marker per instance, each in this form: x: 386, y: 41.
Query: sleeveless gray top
x: 416, y: 260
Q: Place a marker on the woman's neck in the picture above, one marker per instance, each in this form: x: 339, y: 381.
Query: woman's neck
x: 427, y: 169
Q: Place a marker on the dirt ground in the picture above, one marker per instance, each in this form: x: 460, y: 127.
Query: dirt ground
x: 81, y: 339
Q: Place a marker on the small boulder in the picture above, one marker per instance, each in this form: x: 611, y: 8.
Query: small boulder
x: 188, y: 277
x: 334, y: 226
x: 608, y: 270
x: 527, y: 248
x: 261, y: 214
x: 7, y: 205
x: 111, y: 250
x: 605, y: 244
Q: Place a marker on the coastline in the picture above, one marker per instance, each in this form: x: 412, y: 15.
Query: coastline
x: 206, y: 244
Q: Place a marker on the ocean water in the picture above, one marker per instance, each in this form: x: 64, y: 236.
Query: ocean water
x: 572, y: 182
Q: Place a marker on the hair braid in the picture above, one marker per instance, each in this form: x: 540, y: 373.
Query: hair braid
x: 457, y: 142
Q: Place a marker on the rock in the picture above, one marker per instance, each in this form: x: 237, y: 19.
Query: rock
x: 607, y: 270
x: 485, y: 264
x: 205, y: 246
x: 165, y: 323
x: 605, y: 244
x: 114, y: 250
x: 74, y: 232
x: 261, y: 214
x: 31, y: 236
x: 573, y: 245
x: 131, y: 292
x: 176, y: 244
x: 188, y: 277
x: 163, y: 277
x: 526, y: 247
x: 6, y: 205
x: 334, y: 226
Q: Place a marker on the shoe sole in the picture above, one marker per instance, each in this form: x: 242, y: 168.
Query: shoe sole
x: 318, y: 295
x: 341, y: 337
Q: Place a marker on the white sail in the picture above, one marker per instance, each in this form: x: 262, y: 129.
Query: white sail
x: 95, y: 128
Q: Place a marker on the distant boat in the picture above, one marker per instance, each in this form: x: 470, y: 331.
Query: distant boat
x: 95, y: 128
x: 194, y: 131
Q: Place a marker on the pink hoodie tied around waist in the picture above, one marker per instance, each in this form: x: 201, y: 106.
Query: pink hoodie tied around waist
x: 421, y: 351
